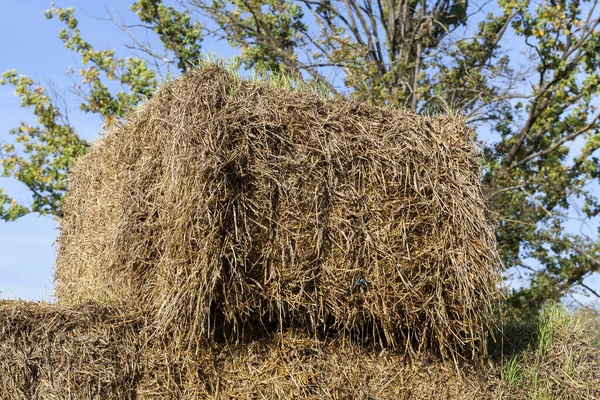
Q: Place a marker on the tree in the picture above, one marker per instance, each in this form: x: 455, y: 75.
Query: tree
x: 40, y: 155
x: 423, y: 55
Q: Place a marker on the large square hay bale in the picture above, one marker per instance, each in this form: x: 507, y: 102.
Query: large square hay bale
x: 233, y: 207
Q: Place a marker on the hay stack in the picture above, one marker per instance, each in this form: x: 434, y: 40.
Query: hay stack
x: 234, y: 208
x: 82, y: 352
x: 98, y: 352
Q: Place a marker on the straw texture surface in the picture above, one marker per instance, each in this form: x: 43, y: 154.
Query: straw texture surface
x: 90, y: 351
x: 234, y: 209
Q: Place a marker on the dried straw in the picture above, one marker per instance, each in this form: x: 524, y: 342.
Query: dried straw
x: 98, y: 352
x: 49, y: 352
x: 232, y: 209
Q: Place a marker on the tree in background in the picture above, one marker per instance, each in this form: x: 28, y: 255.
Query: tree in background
x: 539, y: 120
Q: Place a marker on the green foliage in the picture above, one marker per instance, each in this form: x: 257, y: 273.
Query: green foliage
x: 424, y: 56
x: 265, y: 31
x: 176, y: 30
x: 45, y: 153
x: 40, y: 155
x: 531, y: 166
x: 99, y: 67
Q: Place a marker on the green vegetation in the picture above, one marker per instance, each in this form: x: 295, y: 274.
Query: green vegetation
x: 416, y: 55
x: 553, y: 357
x: 591, y: 316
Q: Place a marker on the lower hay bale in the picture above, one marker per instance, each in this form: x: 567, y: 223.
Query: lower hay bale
x: 99, y: 352
x: 53, y: 352
x: 96, y: 351
x: 93, y: 351
x: 293, y: 365
x: 235, y: 208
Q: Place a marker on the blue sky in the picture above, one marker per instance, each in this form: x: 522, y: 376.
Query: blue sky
x: 31, y: 46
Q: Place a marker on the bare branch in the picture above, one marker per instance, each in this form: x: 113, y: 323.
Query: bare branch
x: 560, y: 142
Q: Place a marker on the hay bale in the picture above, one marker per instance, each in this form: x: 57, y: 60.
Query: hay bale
x: 100, y: 352
x: 232, y: 208
x: 296, y: 366
x: 53, y: 352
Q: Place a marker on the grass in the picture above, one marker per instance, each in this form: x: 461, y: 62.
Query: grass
x: 272, y: 79
x: 511, y: 372
x: 553, y: 357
